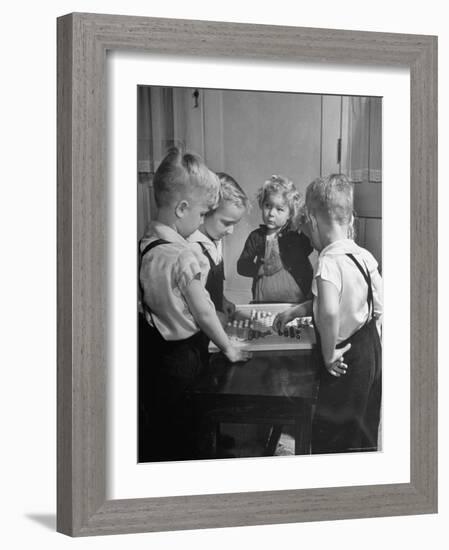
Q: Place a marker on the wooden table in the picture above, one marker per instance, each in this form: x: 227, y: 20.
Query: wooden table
x: 276, y: 387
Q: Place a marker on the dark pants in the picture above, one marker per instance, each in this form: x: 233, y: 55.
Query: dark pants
x: 348, y: 407
x: 167, y: 371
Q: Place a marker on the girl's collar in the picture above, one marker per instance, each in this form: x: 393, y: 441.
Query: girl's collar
x: 284, y: 229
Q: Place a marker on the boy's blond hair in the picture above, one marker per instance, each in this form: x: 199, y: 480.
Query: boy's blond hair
x: 231, y: 191
x: 280, y: 185
x: 333, y: 197
x: 179, y: 175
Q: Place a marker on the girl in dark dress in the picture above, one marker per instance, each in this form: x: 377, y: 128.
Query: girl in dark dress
x: 275, y: 255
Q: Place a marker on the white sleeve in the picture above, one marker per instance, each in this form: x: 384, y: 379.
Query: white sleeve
x: 185, y: 270
x: 328, y: 270
x: 376, y: 281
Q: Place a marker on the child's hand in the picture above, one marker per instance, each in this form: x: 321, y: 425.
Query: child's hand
x: 228, y: 308
x: 283, y: 318
x: 236, y: 355
x: 336, y: 366
x: 261, y: 271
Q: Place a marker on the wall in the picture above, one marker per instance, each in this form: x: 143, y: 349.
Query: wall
x: 362, y: 162
x: 28, y: 322
x: 266, y: 134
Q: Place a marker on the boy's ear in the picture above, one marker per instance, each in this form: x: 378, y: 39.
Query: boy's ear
x: 181, y: 208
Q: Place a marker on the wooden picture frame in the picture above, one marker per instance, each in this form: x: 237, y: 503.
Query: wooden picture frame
x: 83, y: 40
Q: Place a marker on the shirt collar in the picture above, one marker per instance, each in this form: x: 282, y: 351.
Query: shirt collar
x: 214, y: 247
x: 342, y: 246
x: 199, y: 237
x: 161, y: 231
x: 285, y: 229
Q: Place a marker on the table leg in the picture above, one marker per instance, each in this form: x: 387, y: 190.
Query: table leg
x: 273, y: 440
x: 303, y: 430
x: 206, y: 437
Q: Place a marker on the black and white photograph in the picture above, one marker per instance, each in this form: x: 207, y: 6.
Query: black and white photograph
x: 193, y: 358
x: 259, y: 252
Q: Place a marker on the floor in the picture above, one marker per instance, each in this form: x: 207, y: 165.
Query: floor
x: 245, y: 440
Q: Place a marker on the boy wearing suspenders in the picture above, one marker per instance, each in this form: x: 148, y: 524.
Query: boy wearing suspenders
x: 346, y: 306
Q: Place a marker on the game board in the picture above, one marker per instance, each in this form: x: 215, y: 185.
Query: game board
x: 251, y: 329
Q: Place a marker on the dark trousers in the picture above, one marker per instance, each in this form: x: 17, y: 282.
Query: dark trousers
x: 348, y: 407
x: 167, y: 371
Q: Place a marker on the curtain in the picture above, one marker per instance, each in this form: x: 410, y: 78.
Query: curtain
x: 155, y: 135
x: 362, y: 139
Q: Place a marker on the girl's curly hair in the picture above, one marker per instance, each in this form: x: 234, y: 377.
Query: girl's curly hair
x: 280, y: 185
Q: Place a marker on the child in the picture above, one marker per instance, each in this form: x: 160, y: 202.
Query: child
x: 275, y: 255
x: 218, y: 223
x: 179, y: 316
x: 347, y: 291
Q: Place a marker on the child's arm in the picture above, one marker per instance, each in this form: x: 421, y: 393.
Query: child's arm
x: 228, y: 307
x: 376, y: 281
x: 329, y: 323
x: 246, y: 266
x: 206, y: 317
x: 301, y: 310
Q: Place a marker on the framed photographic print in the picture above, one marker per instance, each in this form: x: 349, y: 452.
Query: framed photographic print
x: 262, y: 105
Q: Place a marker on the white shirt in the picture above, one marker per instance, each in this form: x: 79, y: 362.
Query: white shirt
x: 334, y: 266
x: 166, y: 272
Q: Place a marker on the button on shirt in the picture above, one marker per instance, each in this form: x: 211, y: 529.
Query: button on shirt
x: 334, y: 266
x: 165, y: 274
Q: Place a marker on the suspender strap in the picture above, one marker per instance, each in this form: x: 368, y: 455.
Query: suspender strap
x: 212, y: 264
x: 206, y: 253
x: 150, y: 246
x: 147, y: 249
x: 367, y: 277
